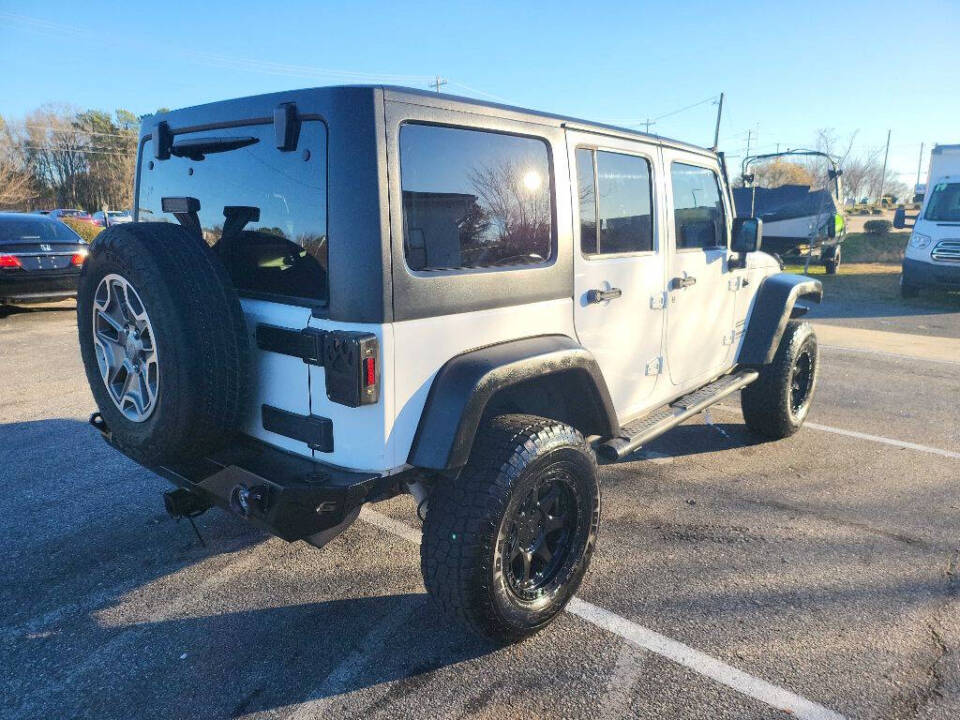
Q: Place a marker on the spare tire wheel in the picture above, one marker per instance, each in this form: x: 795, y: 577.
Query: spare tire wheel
x: 163, y: 341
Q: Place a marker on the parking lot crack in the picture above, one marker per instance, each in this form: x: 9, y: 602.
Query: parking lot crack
x: 912, y: 702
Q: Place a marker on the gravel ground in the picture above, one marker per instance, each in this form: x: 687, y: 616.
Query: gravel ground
x: 825, y: 564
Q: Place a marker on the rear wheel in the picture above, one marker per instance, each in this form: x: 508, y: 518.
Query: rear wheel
x: 507, y: 542
x: 777, y: 403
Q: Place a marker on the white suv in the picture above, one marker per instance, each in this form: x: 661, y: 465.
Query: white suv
x: 357, y: 292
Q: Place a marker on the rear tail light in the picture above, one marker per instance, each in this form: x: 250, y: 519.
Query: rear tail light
x: 9, y: 261
x: 369, y: 372
x: 78, y: 258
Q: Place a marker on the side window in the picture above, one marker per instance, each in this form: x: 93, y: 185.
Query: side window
x: 616, y: 199
x: 473, y: 198
x: 697, y: 208
x: 263, y: 211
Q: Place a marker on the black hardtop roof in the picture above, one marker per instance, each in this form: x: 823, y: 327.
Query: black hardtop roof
x: 413, y: 95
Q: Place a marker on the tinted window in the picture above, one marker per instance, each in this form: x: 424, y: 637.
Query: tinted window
x: 284, y: 251
x: 697, y: 208
x: 26, y: 229
x: 473, y: 198
x: 620, y: 221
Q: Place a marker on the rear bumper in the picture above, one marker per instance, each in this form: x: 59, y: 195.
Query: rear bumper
x: 928, y: 274
x: 288, y: 496
x: 38, y: 285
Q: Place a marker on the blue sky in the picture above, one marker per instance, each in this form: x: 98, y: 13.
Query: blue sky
x: 786, y: 68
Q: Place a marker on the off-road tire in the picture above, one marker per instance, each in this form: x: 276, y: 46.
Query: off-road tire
x: 767, y: 403
x: 201, y: 338
x: 466, y: 529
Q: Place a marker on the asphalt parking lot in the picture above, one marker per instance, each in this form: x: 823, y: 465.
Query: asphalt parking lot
x: 817, y: 576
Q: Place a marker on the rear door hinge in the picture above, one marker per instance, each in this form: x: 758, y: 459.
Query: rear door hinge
x: 729, y: 338
x: 734, y: 283
x: 654, y: 366
x: 658, y: 301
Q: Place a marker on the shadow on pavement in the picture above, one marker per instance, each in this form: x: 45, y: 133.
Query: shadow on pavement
x: 8, y: 310
x: 108, y: 600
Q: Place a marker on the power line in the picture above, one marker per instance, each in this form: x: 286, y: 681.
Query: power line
x: 213, y: 59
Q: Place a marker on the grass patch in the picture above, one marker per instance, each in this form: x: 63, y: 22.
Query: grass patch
x: 866, y: 248
x: 874, y: 282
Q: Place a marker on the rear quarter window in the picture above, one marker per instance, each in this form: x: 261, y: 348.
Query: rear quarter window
x: 474, y: 198
x: 283, y: 252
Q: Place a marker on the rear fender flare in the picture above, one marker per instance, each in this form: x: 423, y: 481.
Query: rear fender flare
x: 469, y: 385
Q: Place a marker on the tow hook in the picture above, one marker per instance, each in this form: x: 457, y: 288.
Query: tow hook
x: 244, y: 499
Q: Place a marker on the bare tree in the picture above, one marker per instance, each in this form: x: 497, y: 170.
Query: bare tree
x: 16, y: 186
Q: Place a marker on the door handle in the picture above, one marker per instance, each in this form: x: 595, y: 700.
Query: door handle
x: 598, y: 296
x: 684, y: 282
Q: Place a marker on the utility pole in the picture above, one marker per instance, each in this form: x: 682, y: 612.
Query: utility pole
x: 919, y: 166
x: 749, y: 134
x: 883, y: 174
x: 438, y: 83
x: 716, y: 132
x: 647, y: 124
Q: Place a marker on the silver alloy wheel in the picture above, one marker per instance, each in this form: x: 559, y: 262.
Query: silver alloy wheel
x: 126, y: 348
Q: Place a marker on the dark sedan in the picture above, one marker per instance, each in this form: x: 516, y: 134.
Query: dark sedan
x: 40, y: 258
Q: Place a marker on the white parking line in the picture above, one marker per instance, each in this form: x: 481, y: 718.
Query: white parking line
x: 892, y: 355
x: 865, y: 436
x: 647, y: 639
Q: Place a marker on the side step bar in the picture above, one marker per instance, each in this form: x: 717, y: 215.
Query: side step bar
x: 643, y: 430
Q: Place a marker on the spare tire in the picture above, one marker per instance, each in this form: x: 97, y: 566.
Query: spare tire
x: 163, y: 342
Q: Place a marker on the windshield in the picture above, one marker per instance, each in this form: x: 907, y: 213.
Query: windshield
x: 34, y: 229
x: 944, y: 203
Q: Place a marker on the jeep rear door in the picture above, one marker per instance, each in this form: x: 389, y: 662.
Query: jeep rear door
x: 619, y: 269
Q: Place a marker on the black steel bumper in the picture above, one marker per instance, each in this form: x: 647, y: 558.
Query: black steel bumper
x: 289, y: 496
x: 924, y: 274
x: 38, y: 285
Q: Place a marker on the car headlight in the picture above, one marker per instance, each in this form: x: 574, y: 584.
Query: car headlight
x: 919, y: 240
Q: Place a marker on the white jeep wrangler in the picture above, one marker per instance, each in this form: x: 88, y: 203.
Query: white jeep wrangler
x: 337, y: 295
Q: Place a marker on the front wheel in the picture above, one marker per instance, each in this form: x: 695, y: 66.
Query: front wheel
x: 777, y: 403
x: 507, y: 542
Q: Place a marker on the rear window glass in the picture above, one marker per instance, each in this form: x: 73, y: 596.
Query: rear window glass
x: 264, y: 211
x: 615, y: 203
x: 473, y: 198
x: 27, y: 229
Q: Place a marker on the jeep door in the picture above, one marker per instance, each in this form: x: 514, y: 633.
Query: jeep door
x: 701, y: 287
x: 619, y: 271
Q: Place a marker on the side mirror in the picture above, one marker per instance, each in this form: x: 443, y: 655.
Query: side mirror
x: 900, y: 218
x: 747, y: 235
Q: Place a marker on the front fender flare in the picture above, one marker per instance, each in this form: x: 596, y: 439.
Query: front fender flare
x: 772, y: 308
x: 465, y: 384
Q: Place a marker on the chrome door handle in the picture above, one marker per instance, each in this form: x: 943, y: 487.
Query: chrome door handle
x: 684, y: 282
x: 598, y: 296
